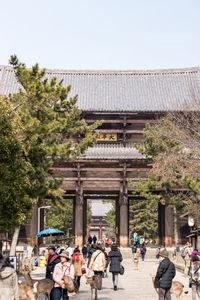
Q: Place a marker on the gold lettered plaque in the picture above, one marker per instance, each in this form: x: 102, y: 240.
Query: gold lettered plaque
x: 107, y: 137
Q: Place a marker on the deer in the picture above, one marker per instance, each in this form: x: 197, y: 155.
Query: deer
x: 177, y: 288
x: 28, y: 292
x: 44, y: 285
x: 94, y: 282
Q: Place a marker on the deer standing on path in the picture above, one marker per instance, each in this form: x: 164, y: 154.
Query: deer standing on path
x: 94, y: 282
x: 44, y: 285
x: 27, y: 291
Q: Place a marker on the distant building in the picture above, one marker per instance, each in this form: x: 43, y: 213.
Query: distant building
x: 98, y: 226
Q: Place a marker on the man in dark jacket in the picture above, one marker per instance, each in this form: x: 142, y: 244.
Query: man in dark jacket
x: 52, y: 260
x: 165, y: 274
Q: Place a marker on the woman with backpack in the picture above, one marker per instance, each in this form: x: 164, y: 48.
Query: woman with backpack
x: 194, y: 280
x: 114, y: 259
x: 77, y: 261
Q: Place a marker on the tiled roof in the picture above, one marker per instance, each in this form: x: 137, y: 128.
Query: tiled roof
x: 158, y: 90
x: 113, y: 151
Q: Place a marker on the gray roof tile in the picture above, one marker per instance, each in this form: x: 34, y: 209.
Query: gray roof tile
x: 113, y: 151
x: 159, y: 90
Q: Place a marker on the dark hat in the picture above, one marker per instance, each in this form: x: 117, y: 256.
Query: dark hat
x: 164, y: 253
x: 51, y: 247
x: 64, y: 254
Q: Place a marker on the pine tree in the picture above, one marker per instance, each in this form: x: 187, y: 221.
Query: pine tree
x: 48, y: 122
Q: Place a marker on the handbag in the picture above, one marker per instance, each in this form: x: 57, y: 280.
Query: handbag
x: 121, y: 270
x: 69, y: 283
x: 83, y: 269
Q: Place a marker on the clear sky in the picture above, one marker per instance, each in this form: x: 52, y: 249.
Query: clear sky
x: 101, y: 34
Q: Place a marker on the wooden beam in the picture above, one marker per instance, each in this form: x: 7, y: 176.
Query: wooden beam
x: 99, y: 179
x: 120, y: 121
x: 101, y: 169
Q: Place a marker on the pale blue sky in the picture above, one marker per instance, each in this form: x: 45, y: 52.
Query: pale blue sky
x: 101, y: 34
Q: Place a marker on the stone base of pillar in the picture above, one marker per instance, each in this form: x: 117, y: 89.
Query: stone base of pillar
x: 168, y: 241
x: 79, y: 240
x: 123, y: 240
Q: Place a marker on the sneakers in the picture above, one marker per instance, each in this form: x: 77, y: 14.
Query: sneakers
x: 115, y: 288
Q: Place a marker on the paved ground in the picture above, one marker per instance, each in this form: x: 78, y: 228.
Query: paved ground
x: 133, y: 285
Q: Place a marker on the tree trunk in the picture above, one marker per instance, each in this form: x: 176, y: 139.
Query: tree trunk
x: 175, y: 227
x: 14, y: 241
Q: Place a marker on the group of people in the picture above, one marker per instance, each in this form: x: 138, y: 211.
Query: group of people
x: 166, y: 271
x: 191, y: 259
x: 72, y: 263
x: 139, y: 250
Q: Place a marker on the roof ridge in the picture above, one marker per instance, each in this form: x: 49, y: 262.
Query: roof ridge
x: 119, y: 72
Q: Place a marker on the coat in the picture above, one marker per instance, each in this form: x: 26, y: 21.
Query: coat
x: 77, y: 265
x: 165, y: 273
x: 195, y: 272
x: 98, y: 261
x: 8, y: 284
x: 61, y: 270
x: 52, y: 260
x: 114, y: 259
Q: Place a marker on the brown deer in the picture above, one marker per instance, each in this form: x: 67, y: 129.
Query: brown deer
x: 176, y: 288
x: 94, y: 282
x: 44, y: 285
x: 28, y: 292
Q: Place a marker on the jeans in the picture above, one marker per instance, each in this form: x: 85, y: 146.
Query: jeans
x: 78, y: 280
x: 100, y: 273
x: 195, y: 291
x: 58, y: 292
x: 115, y: 278
x: 143, y: 256
x: 164, y: 294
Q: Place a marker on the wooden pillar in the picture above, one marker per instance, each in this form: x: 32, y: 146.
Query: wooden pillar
x: 168, y: 226
x: 123, y: 203
x: 79, y: 210
x: 161, y: 223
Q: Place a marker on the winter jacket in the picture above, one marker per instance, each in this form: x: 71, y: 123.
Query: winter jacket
x: 165, y: 273
x: 78, y: 264
x: 61, y: 270
x: 98, y: 261
x: 84, y: 250
x: 114, y: 259
x: 8, y: 284
x: 52, y: 260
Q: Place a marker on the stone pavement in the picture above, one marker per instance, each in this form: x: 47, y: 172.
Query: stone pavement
x: 133, y: 285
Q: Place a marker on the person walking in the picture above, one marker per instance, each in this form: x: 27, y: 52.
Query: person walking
x: 8, y: 280
x: 92, y: 249
x: 165, y: 274
x: 69, y: 249
x: 98, y: 263
x: 85, y: 251
x: 195, y: 277
x: 52, y: 260
x: 143, y: 251
x: 62, y: 268
x: 134, y: 250
x: 77, y: 261
x: 186, y: 253
x: 114, y: 259
x: 94, y: 239
x: 90, y: 239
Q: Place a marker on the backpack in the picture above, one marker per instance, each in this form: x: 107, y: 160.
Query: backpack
x: 183, y: 253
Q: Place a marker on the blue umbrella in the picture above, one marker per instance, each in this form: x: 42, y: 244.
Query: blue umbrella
x: 48, y: 232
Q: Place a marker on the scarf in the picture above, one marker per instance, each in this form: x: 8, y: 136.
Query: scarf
x: 76, y: 257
